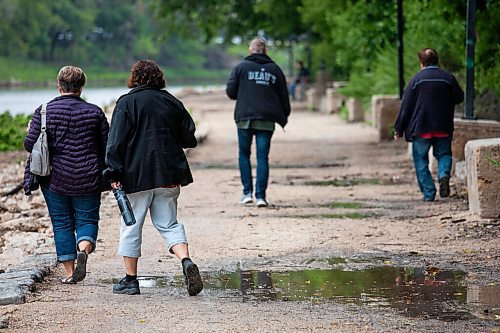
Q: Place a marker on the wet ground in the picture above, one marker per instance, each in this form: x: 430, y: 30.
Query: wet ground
x: 414, y: 292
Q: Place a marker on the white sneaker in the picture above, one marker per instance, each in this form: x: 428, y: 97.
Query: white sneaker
x: 246, y: 199
x: 261, y: 203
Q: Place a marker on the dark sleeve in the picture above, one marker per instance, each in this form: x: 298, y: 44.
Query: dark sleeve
x: 188, y: 128
x: 406, y: 111
x: 34, y: 131
x: 283, y: 93
x: 116, y: 144
x: 233, y: 84
x: 458, y: 93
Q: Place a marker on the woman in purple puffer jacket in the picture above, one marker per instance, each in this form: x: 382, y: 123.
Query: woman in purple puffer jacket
x: 77, y: 134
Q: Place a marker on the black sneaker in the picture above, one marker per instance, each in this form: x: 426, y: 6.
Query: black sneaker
x: 192, y: 277
x: 444, y: 187
x: 127, y: 288
x: 81, y: 266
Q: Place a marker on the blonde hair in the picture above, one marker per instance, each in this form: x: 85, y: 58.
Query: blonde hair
x: 71, y: 79
x: 258, y: 45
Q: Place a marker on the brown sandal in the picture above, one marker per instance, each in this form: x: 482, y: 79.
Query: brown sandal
x: 67, y: 280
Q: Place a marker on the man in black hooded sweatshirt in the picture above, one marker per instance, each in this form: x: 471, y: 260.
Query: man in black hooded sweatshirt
x: 259, y: 87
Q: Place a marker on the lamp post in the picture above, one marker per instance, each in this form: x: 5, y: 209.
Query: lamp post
x: 400, y: 49
x: 469, y: 60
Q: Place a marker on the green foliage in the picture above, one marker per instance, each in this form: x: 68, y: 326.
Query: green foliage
x: 488, y: 47
x: 12, y: 131
x: 344, y: 113
x: 244, y: 18
x: 103, y: 37
x: 357, y: 42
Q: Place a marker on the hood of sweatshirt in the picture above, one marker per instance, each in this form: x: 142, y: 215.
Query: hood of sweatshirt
x: 259, y: 58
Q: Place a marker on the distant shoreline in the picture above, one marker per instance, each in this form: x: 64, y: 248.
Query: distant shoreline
x: 18, y: 84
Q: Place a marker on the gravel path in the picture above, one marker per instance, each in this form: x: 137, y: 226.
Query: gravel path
x: 317, y: 166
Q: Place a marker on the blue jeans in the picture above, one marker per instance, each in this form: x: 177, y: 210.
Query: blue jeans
x: 263, y: 143
x: 441, y: 148
x: 74, y: 219
x: 291, y: 89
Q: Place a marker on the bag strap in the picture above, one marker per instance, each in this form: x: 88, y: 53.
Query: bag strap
x: 43, y: 114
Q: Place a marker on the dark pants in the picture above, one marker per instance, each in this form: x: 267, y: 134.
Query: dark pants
x: 441, y: 149
x: 74, y: 219
x: 263, y: 143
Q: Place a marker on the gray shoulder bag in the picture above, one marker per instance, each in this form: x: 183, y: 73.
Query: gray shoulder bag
x: 40, y: 161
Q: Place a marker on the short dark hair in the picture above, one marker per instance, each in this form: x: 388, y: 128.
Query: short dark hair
x: 71, y: 79
x: 428, y: 57
x: 146, y: 72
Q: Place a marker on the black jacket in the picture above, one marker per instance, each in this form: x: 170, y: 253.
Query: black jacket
x: 149, y: 130
x: 259, y: 87
x: 429, y: 103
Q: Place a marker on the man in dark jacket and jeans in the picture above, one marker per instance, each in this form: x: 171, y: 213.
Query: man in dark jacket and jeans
x: 259, y: 87
x: 426, y: 119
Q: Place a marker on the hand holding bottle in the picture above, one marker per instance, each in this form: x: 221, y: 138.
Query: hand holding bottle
x: 123, y: 204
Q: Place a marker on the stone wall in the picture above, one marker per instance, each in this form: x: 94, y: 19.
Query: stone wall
x: 483, y: 176
x: 466, y: 130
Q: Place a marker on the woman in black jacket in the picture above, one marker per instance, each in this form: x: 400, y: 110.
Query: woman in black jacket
x: 145, y: 157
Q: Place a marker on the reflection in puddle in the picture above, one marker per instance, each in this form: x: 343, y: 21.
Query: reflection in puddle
x: 416, y: 292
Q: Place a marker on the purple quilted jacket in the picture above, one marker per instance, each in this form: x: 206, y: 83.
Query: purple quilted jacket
x: 77, y: 134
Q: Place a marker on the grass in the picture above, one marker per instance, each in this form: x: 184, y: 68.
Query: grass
x: 354, y: 216
x: 29, y: 73
x: 344, y: 113
x: 347, y: 205
x: 26, y: 71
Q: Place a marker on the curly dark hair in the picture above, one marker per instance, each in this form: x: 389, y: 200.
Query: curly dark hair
x: 146, y: 72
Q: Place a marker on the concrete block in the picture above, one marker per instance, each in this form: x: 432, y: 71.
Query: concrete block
x: 11, y: 293
x: 322, y: 82
x: 466, y: 130
x: 355, y: 111
x: 333, y: 101
x: 313, y: 99
x: 385, y: 109
x: 482, y: 158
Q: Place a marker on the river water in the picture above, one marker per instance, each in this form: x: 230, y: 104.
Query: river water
x: 25, y: 101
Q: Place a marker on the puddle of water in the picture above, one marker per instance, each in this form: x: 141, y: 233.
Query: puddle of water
x: 415, y: 292
x: 349, y: 182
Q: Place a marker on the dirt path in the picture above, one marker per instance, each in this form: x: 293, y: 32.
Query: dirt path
x: 377, y: 214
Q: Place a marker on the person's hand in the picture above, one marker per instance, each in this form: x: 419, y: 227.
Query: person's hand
x: 116, y: 185
x: 396, y: 136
